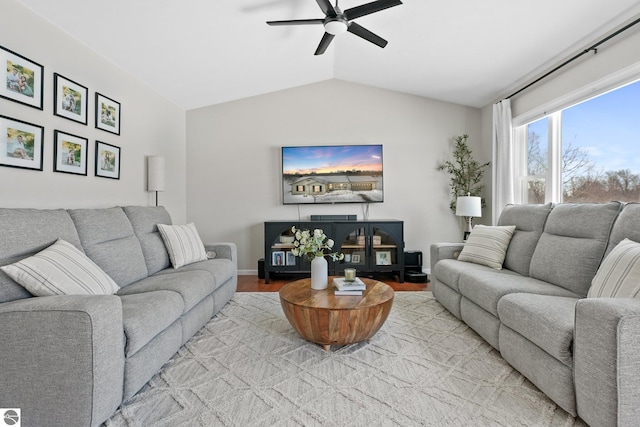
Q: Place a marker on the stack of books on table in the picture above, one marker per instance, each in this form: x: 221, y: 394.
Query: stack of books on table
x: 343, y: 287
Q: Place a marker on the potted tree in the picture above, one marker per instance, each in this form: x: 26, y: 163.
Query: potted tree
x: 466, y: 172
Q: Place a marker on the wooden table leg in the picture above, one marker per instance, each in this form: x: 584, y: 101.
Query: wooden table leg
x: 327, y: 347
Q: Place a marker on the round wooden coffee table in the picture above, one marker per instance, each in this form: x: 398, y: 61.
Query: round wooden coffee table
x: 326, y: 319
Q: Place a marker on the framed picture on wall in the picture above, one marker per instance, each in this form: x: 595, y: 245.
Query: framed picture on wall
x: 107, y: 160
x: 107, y: 114
x: 21, y: 144
x: 24, y: 79
x: 69, y: 99
x: 70, y: 153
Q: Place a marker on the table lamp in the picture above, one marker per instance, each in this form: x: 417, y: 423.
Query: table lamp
x: 469, y: 207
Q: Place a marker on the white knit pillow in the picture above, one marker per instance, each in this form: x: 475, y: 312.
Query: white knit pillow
x: 183, y: 244
x: 61, y: 269
x: 487, y: 245
x: 619, y: 273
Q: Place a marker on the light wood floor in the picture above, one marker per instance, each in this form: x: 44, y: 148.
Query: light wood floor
x: 254, y: 284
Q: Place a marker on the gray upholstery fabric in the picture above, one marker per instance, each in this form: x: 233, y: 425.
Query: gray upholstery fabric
x: 108, y: 239
x: 25, y: 232
x: 144, y: 221
x: 449, y: 271
x: 447, y: 297
x: 71, y: 347
x: 554, y: 378
x: 485, y: 288
x: 143, y: 365
x: 573, y: 244
x: 192, y: 286
x: 546, y: 321
x: 223, y: 294
x: 481, y: 321
x: 627, y: 226
x: 606, y: 348
x: 196, y: 318
x: 529, y: 221
x: 147, y: 314
x: 220, y: 270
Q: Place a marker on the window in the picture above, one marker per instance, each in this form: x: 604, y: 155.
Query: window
x: 589, y: 152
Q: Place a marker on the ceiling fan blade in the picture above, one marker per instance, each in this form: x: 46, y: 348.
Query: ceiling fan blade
x: 297, y: 22
x: 327, y: 8
x: 324, y: 43
x: 366, y: 9
x: 360, y: 31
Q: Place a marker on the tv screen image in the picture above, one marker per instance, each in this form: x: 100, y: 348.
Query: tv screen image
x: 332, y: 174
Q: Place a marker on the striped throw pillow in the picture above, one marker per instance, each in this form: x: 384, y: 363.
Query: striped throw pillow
x: 619, y: 273
x: 61, y: 269
x: 487, y: 245
x: 183, y: 244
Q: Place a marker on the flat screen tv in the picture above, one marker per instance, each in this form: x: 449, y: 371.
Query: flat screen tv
x: 332, y: 174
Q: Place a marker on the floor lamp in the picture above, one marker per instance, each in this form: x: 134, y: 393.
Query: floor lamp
x: 155, y: 174
x: 469, y: 207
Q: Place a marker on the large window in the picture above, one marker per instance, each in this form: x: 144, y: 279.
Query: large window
x: 589, y: 152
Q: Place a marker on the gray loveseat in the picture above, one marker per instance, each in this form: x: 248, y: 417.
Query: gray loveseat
x: 584, y: 353
x: 72, y: 360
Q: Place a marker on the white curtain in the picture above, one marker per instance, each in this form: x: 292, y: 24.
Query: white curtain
x: 504, y: 158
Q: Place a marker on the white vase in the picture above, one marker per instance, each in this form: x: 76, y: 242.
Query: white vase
x: 319, y: 274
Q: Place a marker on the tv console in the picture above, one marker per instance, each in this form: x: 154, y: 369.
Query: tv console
x: 375, y: 246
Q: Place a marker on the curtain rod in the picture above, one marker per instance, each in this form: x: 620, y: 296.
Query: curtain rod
x: 593, y: 48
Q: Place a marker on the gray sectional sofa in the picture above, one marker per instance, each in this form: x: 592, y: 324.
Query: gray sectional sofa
x: 584, y: 353
x: 71, y: 360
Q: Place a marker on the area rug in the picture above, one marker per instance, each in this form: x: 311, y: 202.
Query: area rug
x: 248, y: 367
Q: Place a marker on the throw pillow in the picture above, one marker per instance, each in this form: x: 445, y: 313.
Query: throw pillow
x: 183, y: 244
x: 61, y: 269
x: 487, y: 245
x: 619, y: 273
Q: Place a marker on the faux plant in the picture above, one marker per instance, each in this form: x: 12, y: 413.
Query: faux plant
x: 313, y: 244
x: 466, y: 172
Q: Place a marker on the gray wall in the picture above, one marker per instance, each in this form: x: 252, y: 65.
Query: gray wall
x: 234, y: 170
x: 151, y: 125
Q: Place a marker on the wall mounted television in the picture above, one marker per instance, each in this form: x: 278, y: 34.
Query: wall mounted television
x: 332, y: 174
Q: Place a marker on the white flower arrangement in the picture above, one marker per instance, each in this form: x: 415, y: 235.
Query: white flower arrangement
x: 313, y: 244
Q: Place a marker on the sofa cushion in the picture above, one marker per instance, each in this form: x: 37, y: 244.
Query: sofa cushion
x: 547, y: 321
x: 573, y: 244
x: 192, y: 286
x: 147, y: 314
x: 487, y: 245
x: 61, y: 269
x: 619, y: 274
x: 627, y: 226
x: 183, y: 244
x: 220, y: 270
x: 485, y: 288
x: 108, y: 239
x: 19, y: 240
x: 448, y: 271
x: 529, y: 221
x: 145, y: 220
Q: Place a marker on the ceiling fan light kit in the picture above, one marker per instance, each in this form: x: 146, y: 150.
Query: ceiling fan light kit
x: 337, y: 22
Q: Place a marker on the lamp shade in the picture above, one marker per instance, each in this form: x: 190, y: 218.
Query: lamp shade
x: 155, y: 173
x: 470, y: 206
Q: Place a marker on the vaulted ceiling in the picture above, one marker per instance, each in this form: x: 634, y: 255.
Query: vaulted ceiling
x: 204, y: 52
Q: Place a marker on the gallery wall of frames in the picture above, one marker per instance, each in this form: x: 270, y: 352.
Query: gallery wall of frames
x: 22, y: 142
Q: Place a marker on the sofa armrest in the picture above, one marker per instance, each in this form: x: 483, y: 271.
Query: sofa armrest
x: 225, y: 250
x: 444, y: 251
x: 62, y: 359
x: 607, y: 360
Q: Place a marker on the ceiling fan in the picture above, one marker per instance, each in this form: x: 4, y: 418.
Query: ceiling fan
x: 337, y: 21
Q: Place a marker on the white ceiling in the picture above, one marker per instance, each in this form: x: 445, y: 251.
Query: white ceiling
x: 204, y: 52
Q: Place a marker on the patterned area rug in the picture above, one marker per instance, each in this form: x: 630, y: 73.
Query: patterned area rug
x: 248, y: 367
